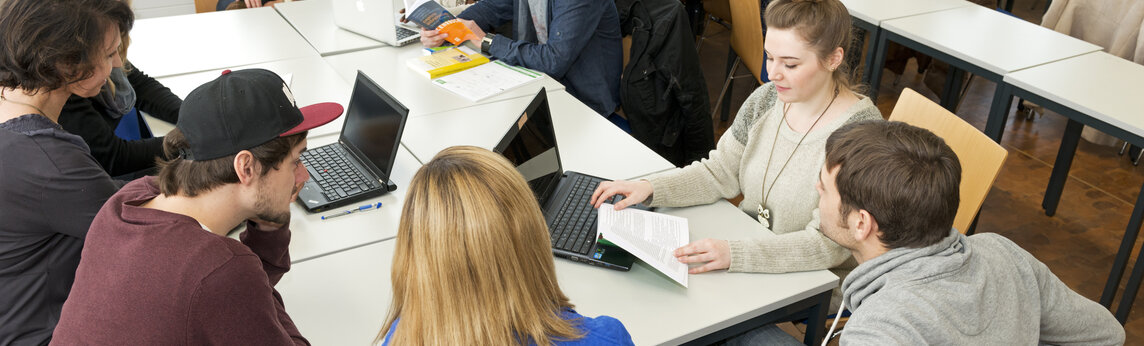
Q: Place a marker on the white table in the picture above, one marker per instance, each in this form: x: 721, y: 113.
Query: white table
x: 976, y: 39
x: 869, y: 15
x: 207, y: 41
x: 342, y: 299
x: 1098, y: 90
x: 588, y: 143
x: 311, y: 80
x: 314, y: 19
x: 387, y: 67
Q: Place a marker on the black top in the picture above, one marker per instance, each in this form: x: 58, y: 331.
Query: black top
x: 87, y: 118
x: 50, y: 190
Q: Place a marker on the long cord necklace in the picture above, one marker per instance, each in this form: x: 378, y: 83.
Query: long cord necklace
x: 5, y: 99
x: 765, y: 213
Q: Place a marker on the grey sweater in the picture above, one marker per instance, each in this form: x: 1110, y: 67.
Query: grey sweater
x: 979, y: 290
x: 737, y: 165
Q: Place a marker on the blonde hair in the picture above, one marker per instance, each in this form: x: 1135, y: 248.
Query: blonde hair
x: 473, y: 263
x: 823, y: 24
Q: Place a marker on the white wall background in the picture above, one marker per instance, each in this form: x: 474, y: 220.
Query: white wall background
x: 162, y: 8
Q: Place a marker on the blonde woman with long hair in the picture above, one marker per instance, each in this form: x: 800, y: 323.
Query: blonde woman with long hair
x: 466, y: 271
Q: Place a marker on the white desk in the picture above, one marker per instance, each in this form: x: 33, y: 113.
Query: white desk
x: 199, y: 42
x: 1098, y: 90
x: 976, y: 39
x: 312, y: 81
x: 588, y: 143
x: 342, y: 299
x: 876, y: 11
x: 386, y: 66
x: 314, y: 19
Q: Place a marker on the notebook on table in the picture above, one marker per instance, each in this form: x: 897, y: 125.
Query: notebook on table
x: 359, y: 164
x: 530, y: 145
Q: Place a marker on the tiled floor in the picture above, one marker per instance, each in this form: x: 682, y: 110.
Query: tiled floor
x: 1080, y: 241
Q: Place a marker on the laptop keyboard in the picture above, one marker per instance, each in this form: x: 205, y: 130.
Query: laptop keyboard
x: 403, y: 33
x: 331, y: 169
x: 573, y: 230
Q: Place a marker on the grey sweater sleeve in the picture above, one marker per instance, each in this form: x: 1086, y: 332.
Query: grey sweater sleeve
x: 796, y: 251
x: 708, y: 180
x: 1067, y: 318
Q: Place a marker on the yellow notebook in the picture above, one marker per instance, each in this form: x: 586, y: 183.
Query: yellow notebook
x: 446, y: 62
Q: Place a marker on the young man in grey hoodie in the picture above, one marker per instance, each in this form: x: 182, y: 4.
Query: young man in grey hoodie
x: 889, y: 193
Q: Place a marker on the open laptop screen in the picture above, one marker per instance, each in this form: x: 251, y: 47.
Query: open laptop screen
x: 373, y: 125
x: 530, y: 145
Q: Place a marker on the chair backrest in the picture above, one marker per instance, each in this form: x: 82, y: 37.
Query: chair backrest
x: 980, y: 157
x: 719, y: 8
x: 206, y: 5
x: 747, y: 34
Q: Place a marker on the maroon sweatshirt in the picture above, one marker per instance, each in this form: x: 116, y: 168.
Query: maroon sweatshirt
x: 149, y: 277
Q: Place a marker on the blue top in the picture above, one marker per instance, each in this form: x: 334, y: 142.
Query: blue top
x: 583, y: 50
x: 603, y: 330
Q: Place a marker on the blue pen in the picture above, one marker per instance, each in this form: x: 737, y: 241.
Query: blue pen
x: 366, y: 207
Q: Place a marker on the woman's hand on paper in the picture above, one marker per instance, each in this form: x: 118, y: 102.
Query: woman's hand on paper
x: 633, y: 192
x: 715, y: 253
x: 432, y: 38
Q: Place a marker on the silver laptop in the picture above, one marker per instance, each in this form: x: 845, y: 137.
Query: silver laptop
x: 376, y: 19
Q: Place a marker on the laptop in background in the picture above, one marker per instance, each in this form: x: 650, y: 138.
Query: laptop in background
x: 376, y: 19
x: 530, y: 145
x: 359, y: 164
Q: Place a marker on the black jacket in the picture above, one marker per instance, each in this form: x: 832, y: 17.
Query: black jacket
x: 662, y: 91
x: 86, y: 118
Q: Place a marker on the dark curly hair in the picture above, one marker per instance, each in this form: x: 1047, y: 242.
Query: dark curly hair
x: 48, y: 44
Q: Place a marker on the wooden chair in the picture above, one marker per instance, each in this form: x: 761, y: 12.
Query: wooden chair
x: 746, y: 47
x: 718, y: 12
x: 980, y: 157
x: 205, y: 5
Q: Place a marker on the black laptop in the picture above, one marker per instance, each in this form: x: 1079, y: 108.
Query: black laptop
x: 359, y: 165
x: 530, y: 145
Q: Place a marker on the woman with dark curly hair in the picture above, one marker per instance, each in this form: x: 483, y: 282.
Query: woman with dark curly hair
x: 50, y: 187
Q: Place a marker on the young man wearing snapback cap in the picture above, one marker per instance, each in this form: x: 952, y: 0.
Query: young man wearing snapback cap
x: 158, y: 268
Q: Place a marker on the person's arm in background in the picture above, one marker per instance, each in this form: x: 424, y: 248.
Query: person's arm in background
x: 573, y: 24
x: 153, y: 97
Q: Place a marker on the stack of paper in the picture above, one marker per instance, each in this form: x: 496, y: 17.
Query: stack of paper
x: 652, y: 237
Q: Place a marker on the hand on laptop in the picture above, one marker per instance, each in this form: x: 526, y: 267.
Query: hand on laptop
x: 633, y: 192
x: 715, y: 252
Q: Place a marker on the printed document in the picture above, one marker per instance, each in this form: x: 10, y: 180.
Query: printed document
x: 652, y: 237
x: 486, y: 80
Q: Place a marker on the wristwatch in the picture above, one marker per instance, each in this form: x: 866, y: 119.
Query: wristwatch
x: 487, y: 43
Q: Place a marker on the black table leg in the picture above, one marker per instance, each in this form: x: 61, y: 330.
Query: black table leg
x: 1061, y: 168
x: 999, y: 111
x: 952, y: 91
x: 875, y: 66
x: 1133, y: 285
x: 816, y: 321
x: 1126, y: 245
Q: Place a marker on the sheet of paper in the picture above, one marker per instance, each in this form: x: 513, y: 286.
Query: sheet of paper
x: 489, y: 79
x: 650, y: 236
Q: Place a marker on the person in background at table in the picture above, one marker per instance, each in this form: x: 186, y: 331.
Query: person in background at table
x: 889, y: 193
x: 770, y: 153
x: 473, y: 263
x: 224, y: 5
x: 50, y: 187
x: 158, y: 267
x: 96, y: 119
x: 575, y: 42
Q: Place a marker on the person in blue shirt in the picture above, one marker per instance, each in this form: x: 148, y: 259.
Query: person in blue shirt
x: 577, y: 42
x: 473, y: 263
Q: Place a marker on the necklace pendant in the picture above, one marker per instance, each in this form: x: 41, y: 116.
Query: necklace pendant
x: 765, y: 217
